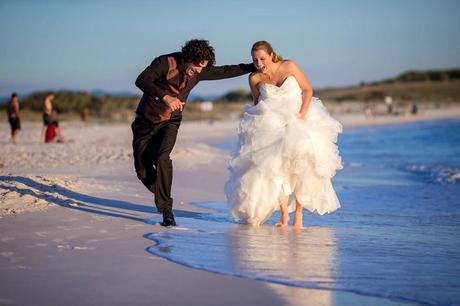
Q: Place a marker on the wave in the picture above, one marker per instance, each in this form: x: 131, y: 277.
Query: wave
x: 441, y: 174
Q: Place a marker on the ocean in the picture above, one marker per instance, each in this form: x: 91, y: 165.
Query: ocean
x: 396, y: 236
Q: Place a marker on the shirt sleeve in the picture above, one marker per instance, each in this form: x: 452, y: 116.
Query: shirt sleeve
x: 225, y: 72
x: 146, y: 80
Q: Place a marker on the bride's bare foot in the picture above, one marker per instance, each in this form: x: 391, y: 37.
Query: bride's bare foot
x: 284, y: 214
x: 284, y: 220
x: 254, y: 222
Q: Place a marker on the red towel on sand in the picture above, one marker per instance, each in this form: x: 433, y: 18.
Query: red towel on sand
x: 51, y: 132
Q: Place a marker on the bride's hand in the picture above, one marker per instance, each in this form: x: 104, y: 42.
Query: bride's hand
x: 301, y: 116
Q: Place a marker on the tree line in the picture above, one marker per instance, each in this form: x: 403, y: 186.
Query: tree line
x: 108, y: 106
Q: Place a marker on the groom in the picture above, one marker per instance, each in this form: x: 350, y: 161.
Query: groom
x: 166, y: 84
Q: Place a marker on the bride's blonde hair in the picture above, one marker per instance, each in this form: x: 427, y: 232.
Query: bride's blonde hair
x: 265, y: 45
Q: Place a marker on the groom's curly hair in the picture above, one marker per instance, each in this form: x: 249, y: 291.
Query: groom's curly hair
x: 197, y: 50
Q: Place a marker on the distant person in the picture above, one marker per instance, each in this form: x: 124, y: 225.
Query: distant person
x: 414, y: 109
x: 389, y: 102
x: 368, y: 112
x: 85, y: 115
x: 166, y: 84
x: 390, y: 109
x: 14, y: 116
x: 51, y: 129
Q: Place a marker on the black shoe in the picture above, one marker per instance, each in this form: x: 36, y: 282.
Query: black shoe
x: 168, y: 219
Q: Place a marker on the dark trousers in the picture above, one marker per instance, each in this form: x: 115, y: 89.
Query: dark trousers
x: 152, y: 145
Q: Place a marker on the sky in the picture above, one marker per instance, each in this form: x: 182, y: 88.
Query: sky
x: 104, y: 45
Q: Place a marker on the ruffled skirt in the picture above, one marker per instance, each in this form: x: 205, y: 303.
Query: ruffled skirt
x: 282, y: 156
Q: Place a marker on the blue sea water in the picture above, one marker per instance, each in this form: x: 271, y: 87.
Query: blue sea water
x: 397, y: 235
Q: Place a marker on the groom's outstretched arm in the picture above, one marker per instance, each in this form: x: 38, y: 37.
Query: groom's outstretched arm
x: 225, y: 72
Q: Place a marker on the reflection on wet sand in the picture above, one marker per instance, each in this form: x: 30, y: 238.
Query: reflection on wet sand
x: 302, y: 267
x: 306, y: 261
x: 307, y: 257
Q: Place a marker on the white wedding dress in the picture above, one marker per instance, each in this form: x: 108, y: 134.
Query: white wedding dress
x: 280, y: 155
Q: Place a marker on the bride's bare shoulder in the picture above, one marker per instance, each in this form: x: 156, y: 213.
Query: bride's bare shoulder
x: 289, y: 67
x: 255, y: 77
x: 288, y: 64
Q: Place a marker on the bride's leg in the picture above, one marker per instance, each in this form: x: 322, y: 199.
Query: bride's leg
x: 284, y: 214
x: 298, y: 215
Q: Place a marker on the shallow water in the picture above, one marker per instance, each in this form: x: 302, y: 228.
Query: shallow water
x: 397, y: 235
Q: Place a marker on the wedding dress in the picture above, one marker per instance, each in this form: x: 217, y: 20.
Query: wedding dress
x: 280, y: 155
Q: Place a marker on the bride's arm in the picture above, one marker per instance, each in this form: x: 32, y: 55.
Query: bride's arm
x: 307, y: 90
x: 253, y: 82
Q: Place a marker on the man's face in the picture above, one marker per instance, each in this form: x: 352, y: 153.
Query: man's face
x: 191, y: 68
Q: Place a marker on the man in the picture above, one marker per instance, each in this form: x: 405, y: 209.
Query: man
x: 13, y: 117
x: 166, y: 84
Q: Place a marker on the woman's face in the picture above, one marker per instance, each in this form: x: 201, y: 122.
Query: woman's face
x: 262, y: 60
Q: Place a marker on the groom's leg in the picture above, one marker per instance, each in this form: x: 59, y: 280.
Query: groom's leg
x: 164, y: 169
x: 143, y: 152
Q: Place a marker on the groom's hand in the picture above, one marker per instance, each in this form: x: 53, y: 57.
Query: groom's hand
x: 173, y: 103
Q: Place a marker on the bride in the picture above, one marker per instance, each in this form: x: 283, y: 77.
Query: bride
x: 287, y: 152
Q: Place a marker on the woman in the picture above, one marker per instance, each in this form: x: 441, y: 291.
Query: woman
x: 287, y: 153
x: 51, y: 128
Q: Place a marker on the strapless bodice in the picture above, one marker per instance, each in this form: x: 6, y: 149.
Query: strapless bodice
x: 289, y: 88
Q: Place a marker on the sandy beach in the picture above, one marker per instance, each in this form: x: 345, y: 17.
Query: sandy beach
x: 74, y: 220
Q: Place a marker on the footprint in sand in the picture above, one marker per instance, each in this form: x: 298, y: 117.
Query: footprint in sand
x: 6, y: 254
x: 75, y: 247
x: 41, y: 234
x: 7, y: 239
x: 37, y: 245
